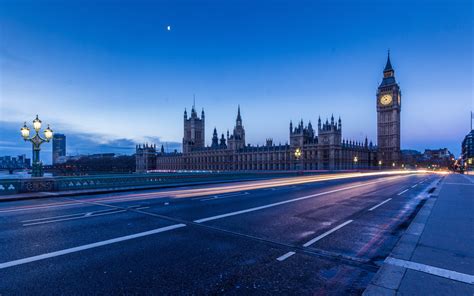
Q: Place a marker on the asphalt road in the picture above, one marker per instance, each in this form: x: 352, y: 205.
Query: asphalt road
x: 324, y: 236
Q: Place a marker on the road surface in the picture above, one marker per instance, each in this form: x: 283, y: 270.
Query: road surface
x: 302, y: 235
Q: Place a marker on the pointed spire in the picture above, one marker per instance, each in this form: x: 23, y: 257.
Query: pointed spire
x: 202, y: 113
x: 332, y: 119
x: 319, y: 122
x: 388, y: 65
x: 239, y: 118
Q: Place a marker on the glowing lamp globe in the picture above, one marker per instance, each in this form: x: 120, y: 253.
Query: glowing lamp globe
x: 37, y: 123
x: 48, y: 133
x: 25, y: 131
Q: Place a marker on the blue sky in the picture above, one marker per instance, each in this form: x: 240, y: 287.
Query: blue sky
x: 108, y: 74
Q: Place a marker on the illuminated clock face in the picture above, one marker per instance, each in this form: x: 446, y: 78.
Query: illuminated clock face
x: 386, y: 99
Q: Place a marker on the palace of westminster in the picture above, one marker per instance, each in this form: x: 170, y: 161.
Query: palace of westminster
x: 307, y: 150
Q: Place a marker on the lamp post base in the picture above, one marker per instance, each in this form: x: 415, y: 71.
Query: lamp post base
x: 37, y: 170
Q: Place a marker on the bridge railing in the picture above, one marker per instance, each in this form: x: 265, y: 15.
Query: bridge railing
x: 124, y: 181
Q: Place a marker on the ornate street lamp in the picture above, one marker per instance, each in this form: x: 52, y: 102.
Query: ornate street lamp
x: 36, y: 140
x: 380, y: 164
x: 297, y: 153
x: 356, y: 159
x: 297, y: 157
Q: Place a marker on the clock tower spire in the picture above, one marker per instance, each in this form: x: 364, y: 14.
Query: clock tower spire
x: 388, y: 117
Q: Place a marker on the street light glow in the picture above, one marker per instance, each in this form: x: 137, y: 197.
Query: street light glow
x: 37, y: 124
x: 36, y: 141
x: 25, y: 131
x: 48, y: 133
x: 298, y: 153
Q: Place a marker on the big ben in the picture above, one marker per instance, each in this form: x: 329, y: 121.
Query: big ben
x: 388, y: 103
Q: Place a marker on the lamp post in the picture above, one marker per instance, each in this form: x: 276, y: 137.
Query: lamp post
x: 355, y: 161
x: 380, y: 164
x: 297, y: 157
x: 36, y: 140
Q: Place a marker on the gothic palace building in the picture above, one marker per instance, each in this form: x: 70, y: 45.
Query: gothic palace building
x: 309, y: 149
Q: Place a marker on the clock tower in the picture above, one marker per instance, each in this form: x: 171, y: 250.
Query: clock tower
x: 388, y: 118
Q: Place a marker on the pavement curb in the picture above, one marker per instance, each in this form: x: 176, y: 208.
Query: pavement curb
x: 389, y: 277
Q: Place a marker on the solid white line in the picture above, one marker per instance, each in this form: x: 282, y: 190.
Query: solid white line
x: 403, y: 192
x: 88, y: 246
x: 56, y: 217
x: 74, y: 218
x: 414, y: 186
x: 326, y: 233
x: 376, y: 206
x: 470, y: 179
x: 285, y: 202
x: 41, y: 207
x: 446, y: 273
x: 142, y: 208
x: 222, y: 196
x: 286, y: 256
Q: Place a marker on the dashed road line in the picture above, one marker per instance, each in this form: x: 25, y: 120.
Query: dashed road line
x: 403, y: 192
x: 286, y: 256
x: 378, y: 205
x: 309, y: 243
x: 89, y: 246
x: 286, y: 201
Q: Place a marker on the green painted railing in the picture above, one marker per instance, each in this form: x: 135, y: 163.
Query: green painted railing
x: 125, y: 181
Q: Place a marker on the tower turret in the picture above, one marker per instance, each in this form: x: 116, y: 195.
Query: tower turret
x: 215, y: 139
x: 194, y: 131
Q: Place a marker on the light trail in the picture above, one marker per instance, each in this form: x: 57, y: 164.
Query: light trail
x: 220, y: 189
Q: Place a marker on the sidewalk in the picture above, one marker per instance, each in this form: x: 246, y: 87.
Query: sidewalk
x: 435, y: 256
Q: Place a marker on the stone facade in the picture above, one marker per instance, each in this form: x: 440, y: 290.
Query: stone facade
x: 308, y: 149
x: 389, y: 104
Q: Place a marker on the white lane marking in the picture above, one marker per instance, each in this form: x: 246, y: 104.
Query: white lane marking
x: 446, y: 273
x: 88, y: 246
x: 464, y: 184
x: 142, y: 208
x: 56, y: 217
x: 414, y: 186
x: 378, y: 205
x: 222, y: 196
x: 66, y: 216
x: 326, y: 233
x: 403, y: 192
x: 470, y: 179
x: 41, y: 207
x: 285, y: 256
x: 73, y: 218
x: 285, y: 202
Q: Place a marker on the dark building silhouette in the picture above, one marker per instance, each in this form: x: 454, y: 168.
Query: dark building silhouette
x: 59, y: 148
x: 308, y: 149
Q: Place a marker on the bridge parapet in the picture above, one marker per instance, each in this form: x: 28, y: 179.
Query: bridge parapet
x: 126, y: 181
